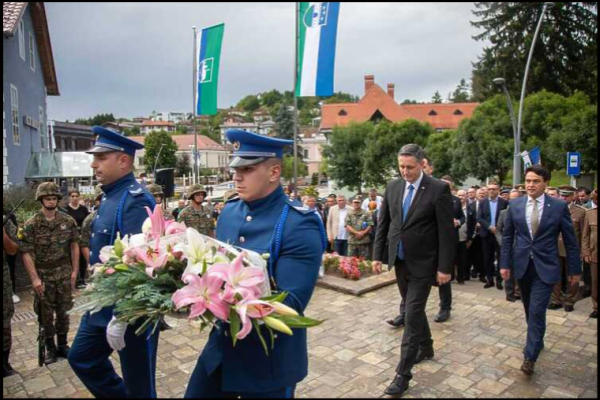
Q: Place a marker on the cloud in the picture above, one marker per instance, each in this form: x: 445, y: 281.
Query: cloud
x: 133, y: 58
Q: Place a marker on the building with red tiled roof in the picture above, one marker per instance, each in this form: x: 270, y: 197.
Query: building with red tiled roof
x: 149, y: 126
x: 378, y: 104
x: 212, y: 154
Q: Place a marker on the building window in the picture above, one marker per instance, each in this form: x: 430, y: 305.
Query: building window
x: 14, y: 101
x: 458, y: 112
x: 342, y: 113
x: 432, y: 113
x: 141, y: 161
x: 31, y: 51
x: 43, y: 134
x: 22, y: 39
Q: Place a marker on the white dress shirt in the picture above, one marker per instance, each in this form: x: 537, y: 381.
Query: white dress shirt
x: 342, y: 232
x: 365, y: 204
x: 541, y: 202
x: 416, y: 185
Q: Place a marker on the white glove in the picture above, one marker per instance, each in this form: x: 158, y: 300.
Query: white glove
x: 115, y: 334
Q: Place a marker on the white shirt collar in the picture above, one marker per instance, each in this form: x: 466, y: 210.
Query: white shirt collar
x: 417, y: 184
x: 541, y: 200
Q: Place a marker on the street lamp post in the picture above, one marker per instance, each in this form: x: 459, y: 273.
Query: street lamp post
x: 517, y: 164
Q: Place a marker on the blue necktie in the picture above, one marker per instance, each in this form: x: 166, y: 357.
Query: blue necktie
x: 405, y: 208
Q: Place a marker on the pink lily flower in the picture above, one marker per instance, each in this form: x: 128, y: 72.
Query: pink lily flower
x: 203, y: 294
x: 173, y: 228
x: 157, y: 220
x: 152, y: 258
x: 249, y: 309
x: 239, y: 277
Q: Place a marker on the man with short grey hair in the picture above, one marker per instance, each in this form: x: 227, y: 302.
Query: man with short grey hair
x: 416, y: 209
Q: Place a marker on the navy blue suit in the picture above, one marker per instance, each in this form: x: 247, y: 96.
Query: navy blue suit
x: 122, y: 210
x: 246, y: 370
x: 491, y: 248
x: 536, y: 263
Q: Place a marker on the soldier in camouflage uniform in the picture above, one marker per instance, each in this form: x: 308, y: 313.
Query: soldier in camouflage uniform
x: 358, y: 224
x: 196, y: 215
x: 50, y: 247
x: 159, y: 196
x: 86, y: 228
x: 8, y: 308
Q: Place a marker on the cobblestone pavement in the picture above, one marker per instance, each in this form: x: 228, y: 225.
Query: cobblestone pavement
x: 354, y: 354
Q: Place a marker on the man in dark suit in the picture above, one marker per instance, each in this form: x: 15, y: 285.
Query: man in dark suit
x: 416, y: 210
x: 533, y: 225
x: 475, y: 248
x: 488, y: 216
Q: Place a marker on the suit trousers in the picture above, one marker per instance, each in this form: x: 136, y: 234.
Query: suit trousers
x: 341, y: 247
x: 90, y: 359
x: 491, y: 255
x: 417, y: 333
x: 476, y: 256
x: 594, y: 271
x: 204, y: 386
x: 462, y: 262
x: 572, y: 291
x: 536, y: 298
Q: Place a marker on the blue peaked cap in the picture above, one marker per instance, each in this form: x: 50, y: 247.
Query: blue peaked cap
x: 251, y: 148
x: 111, y: 141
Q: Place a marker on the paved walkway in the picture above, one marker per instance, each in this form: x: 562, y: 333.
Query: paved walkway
x: 353, y: 355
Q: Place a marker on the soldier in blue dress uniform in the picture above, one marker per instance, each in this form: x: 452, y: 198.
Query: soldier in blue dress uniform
x: 122, y: 212
x: 264, y: 220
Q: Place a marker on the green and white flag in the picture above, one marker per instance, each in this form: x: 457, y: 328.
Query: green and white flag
x: 208, y: 59
x: 318, y: 23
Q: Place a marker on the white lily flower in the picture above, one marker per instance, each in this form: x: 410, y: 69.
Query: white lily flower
x: 197, y: 251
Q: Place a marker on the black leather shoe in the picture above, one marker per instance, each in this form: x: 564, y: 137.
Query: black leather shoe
x: 398, y: 322
x: 398, y: 387
x: 462, y: 282
x: 443, y: 316
x: 594, y: 315
x: 528, y: 367
x: 51, y: 356
x: 554, y: 306
x: 569, y: 308
x: 499, y: 285
x: 425, y: 354
x: 474, y: 275
x: 482, y: 279
x: 489, y: 285
x: 511, y: 299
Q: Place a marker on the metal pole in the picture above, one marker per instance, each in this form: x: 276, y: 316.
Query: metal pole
x: 517, y: 161
x: 156, y: 161
x: 297, y: 34
x: 195, y: 86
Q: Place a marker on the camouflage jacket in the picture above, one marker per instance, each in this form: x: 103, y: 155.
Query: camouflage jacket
x: 86, y: 231
x: 8, y: 307
x: 359, y: 221
x: 49, y: 242
x: 200, y: 220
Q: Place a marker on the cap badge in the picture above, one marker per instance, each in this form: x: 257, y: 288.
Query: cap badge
x: 237, y: 145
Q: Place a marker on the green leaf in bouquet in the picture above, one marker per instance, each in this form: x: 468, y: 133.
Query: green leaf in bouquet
x: 298, y: 322
x: 204, y: 267
x: 119, y: 248
x: 260, y: 336
x: 235, y: 325
x: 276, y: 298
x: 272, y: 335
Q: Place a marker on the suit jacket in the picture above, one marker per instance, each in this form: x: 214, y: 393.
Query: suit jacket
x: 471, y: 220
x: 484, y: 216
x: 333, y: 222
x: 428, y: 233
x: 518, y: 244
x: 501, y: 225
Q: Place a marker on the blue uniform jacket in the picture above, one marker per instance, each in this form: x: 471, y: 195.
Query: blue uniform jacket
x: 246, y: 368
x: 518, y: 245
x: 122, y: 210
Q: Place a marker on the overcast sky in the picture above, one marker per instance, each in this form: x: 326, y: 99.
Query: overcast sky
x: 132, y: 58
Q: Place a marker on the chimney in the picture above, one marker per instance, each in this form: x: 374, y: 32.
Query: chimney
x: 369, y: 82
x: 392, y: 90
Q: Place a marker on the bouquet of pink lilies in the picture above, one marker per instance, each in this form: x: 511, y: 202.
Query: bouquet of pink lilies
x: 170, y: 269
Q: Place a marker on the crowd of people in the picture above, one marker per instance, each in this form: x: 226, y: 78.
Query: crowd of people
x: 531, y: 241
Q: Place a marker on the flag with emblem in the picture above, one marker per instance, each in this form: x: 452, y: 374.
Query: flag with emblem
x: 208, y: 60
x: 317, y: 36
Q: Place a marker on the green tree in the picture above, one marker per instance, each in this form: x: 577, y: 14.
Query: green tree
x: 484, y: 145
x: 461, y: 94
x: 154, y: 141
x: 284, y: 123
x: 96, y: 120
x: 288, y: 168
x: 249, y: 103
x: 345, y: 154
x: 437, y: 98
x: 271, y: 99
x: 384, y: 142
x: 184, y: 164
x: 409, y: 101
x: 440, y: 149
x: 135, y: 131
x: 564, y: 58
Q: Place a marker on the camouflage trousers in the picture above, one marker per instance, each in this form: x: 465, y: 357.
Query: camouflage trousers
x: 358, y: 250
x: 56, y: 304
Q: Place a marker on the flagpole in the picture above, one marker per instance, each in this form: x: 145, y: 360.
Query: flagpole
x: 296, y: 104
x: 194, y: 110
